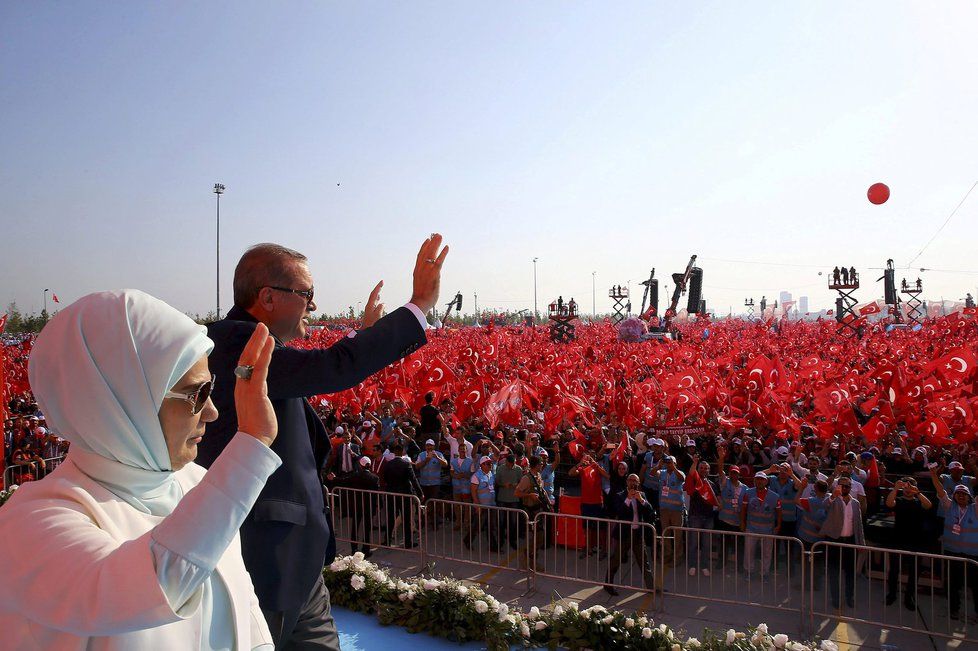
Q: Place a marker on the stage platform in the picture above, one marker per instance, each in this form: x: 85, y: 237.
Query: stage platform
x: 359, y: 632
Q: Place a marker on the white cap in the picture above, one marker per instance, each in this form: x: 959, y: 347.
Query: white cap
x: 530, y: 423
x: 954, y: 465
x: 690, y: 442
x: 485, y: 460
x: 897, y: 450
x: 339, y: 430
x: 429, y: 442
x: 543, y: 453
x: 367, y: 423
x: 657, y: 442
x: 783, y: 451
x: 365, y: 462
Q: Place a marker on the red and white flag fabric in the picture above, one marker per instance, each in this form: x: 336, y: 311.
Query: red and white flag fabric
x: 54, y: 297
x: 870, y: 308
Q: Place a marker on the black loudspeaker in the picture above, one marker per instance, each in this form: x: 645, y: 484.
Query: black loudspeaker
x: 458, y: 302
x: 889, y: 287
x: 695, y: 291
x: 654, y: 295
x: 838, y: 309
x: 703, y: 306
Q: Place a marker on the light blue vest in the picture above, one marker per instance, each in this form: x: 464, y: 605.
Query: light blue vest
x: 430, y: 472
x: 671, y: 493
x: 462, y: 466
x: 810, y: 521
x: 761, y: 514
x: 730, y: 502
x: 961, y: 530
x: 486, y: 488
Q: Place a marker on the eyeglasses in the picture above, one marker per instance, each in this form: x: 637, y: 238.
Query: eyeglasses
x: 304, y: 293
x: 198, y: 398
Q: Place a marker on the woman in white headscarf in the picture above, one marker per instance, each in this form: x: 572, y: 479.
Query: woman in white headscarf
x: 129, y: 544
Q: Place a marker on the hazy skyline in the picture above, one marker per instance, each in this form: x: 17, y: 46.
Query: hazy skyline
x: 607, y: 137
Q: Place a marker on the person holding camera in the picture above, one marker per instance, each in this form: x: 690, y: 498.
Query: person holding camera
x: 909, y: 506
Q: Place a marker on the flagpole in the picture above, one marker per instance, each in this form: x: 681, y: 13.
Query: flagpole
x: 594, y: 310
x: 45, y: 294
x: 536, y: 315
x: 218, y: 190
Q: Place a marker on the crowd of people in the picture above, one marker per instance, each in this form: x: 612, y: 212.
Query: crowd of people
x: 786, y: 429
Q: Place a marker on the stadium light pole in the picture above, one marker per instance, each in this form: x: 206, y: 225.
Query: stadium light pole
x: 45, y: 295
x: 594, y: 311
x: 218, y: 190
x: 536, y: 315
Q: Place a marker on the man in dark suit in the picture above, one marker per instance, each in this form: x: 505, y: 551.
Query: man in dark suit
x: 633, y: 509
x: 360, y: 505
x: 287, y: 537
x: 400, y: 478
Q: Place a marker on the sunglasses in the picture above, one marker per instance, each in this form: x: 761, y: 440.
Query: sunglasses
x: 304, y: 293
x: 198, y: 398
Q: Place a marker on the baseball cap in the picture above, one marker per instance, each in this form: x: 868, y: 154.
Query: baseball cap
x: 339, y: 430
x: 961, y: 488
x: 782, y: 451
x: 365, y: 462
x: 690, y: 443
x: 485, y: 460
x: 760, y: 475
x: 658, y: 442
x: 669, y: 459
x: 737, y: 442
x: 429, y: 442
x: 530, y: 423
x: 543, y: 453
x: 735, y: 469
x: 954, y: 465
x: 367, y: 423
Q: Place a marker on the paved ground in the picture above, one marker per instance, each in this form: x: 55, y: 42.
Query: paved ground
x: 771, y: 602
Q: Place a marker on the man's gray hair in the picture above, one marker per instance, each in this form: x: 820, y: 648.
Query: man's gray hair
x: 263, y: 265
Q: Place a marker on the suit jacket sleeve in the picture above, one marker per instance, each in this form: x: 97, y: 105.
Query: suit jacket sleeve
x: 298, y: 373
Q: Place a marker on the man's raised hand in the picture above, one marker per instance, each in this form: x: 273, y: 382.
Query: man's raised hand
x: 374, y: 309
x: 427, y: 273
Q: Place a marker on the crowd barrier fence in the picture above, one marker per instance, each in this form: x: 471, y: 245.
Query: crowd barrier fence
x: 855, y: 582
x: 21, y: 473
x: 760, y: 570
x: 562, y: 546
x: 368, y: 519
x: 488, y: 536
x: 599, y: 551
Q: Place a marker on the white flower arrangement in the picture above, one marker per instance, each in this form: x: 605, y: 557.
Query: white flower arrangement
x: 423, y: 604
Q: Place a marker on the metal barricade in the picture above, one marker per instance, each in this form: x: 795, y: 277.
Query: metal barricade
x: 892, y: 588
x: 601, y: 551
x: 761, y: 570
x: 50, y: 465
x: 25, y: 472
x: 367, y: 519
x: 20, y: 474
x: 490, y: 536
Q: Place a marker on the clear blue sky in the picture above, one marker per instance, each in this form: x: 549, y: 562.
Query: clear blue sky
x: 608, y: 137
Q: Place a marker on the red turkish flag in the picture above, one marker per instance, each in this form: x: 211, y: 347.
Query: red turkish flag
x: 624, y: 447
x: 472, y: 399
x: 577, y: 446
x: 695, y: 484
x: 870, y: 308
x: 957, y: 365
x: 3, y: 323
x: 874, y: 429
x: 437, y: 374
x: 55, y: 298
x: 970, y: 310
x: 507, y: 403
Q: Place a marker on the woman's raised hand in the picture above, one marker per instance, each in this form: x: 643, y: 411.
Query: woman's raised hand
x: 255, y: 414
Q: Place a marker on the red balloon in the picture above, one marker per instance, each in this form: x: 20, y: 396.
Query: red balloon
x: 878, y: 193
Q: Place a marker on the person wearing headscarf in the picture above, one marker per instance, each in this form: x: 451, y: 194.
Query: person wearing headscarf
x: 129, y: 544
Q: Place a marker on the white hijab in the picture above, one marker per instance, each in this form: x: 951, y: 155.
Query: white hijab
x: 99, y: 370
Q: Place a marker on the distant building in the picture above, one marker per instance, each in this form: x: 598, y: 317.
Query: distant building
x: 784, y: 297
x: 803, y: 304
